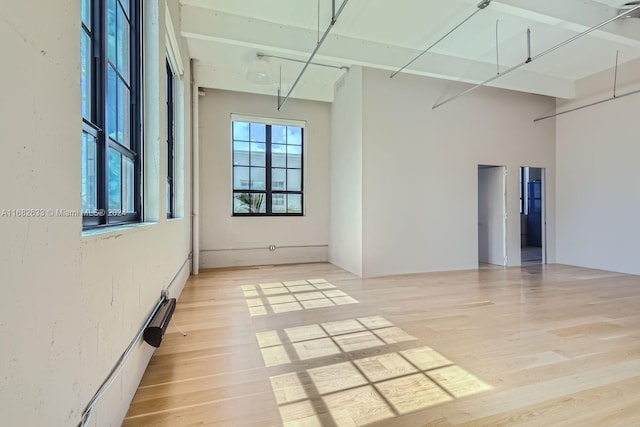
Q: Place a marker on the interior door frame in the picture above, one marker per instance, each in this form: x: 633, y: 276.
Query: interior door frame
x: 503, y: 198
x: 543, y: 213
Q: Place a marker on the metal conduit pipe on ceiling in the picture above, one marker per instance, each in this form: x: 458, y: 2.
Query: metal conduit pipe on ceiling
x: 483, y: 4
x: 540, y: 55
x: 334, y: 18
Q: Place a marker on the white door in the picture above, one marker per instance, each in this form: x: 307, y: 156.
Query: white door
x: 492, y: 215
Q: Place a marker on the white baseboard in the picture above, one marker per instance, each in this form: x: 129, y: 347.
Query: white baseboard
x: 249, y: 257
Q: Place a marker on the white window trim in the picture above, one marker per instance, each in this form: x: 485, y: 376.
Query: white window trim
x: 172, y: 46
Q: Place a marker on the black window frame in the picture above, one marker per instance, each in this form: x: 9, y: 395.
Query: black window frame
x: 98, y: 121
x: 171, y: 202
x: 268, y: 191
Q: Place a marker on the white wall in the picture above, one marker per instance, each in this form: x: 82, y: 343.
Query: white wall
x: 597, y: 186
x: 72, y: 302
x: 345, y: 247
x: 231, y: 241
x: 420, y: 170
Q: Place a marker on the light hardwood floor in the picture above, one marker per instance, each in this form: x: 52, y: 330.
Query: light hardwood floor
x: 314, y: 345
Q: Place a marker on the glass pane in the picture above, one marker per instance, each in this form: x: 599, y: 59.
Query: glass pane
x: 249, y: 203
x: 115, y: 180
x: 294, y: 203
x: 123, y: 45
x: 89, y: 175
x: 125, y: 6
x: 258, y: 203
x: 241, y: 202
x: 168, y: 198
x: 112, y: 103
x: 86, y: 80
x: 128, y: 185
x: 279, y: 156
x: 258, y: 132
x: 278, y: 179
x: 279, y: 134
x: 258, y: 179
x: 241, y: 131
x: 294, y: 156
x: 294, y: 135
x: 294, y: 180
x: 124, y: 115
x: 279, y: 203
x: 240, y: 178
x: 258, y: 154
x: 111, y: 28
x: 86, y: 13
x: 240, y: 153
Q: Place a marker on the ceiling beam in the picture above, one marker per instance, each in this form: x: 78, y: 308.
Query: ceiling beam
x: 268, y: 37
x: 575, y: 15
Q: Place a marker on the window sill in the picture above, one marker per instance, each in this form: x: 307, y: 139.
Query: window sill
x: 105, y: 231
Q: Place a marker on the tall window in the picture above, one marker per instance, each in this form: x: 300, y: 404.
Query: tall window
x: 267, y: 168
x: 170, y: 142
x: 110, y: 51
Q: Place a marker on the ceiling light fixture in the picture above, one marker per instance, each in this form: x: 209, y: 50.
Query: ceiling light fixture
x: 259, y: 72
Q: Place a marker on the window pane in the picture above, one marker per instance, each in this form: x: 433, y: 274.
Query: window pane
x: 89, y: 176
x: 111, y: 29
x: 249, y: 203
x: 240, y: 153
x: 115, y: 179
x: 125, y: 6
x: 240, y: 178
x: 279, y: 134
x: 123, y: 45
x: 86, y: 13
x: 294, y: 156
x: 241, y: 131
x: 86, y: 81
x: 258, y: 154
x: 128, y: 185
x: 258, y: 132
x: 294, y: 135
x: 258, y: 203
x: 258, y: 180
x: 124, y: 115
x: 278, y: 179
x: 112, y: 104
x: 294, y: 179
x: 279, y: 203
x: 294, y: 203
x: 279, y: 156
x: 168, y: 199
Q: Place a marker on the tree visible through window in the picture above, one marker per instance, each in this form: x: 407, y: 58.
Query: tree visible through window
x: 110, y: 86
x: 267, y: 169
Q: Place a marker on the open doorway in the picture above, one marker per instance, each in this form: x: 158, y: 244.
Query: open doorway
x: 532, y: 218
x: 492, y: 215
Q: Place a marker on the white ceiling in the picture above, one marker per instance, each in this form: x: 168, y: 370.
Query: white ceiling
x: 225, y: 36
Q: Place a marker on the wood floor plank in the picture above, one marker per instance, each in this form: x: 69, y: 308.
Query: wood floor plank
x: 533, y: 346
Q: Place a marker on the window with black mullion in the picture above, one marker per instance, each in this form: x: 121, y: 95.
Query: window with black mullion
x: 267, y: 169
x: 111, y: 140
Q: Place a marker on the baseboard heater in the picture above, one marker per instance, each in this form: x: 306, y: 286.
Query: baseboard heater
x: 154, y: 332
